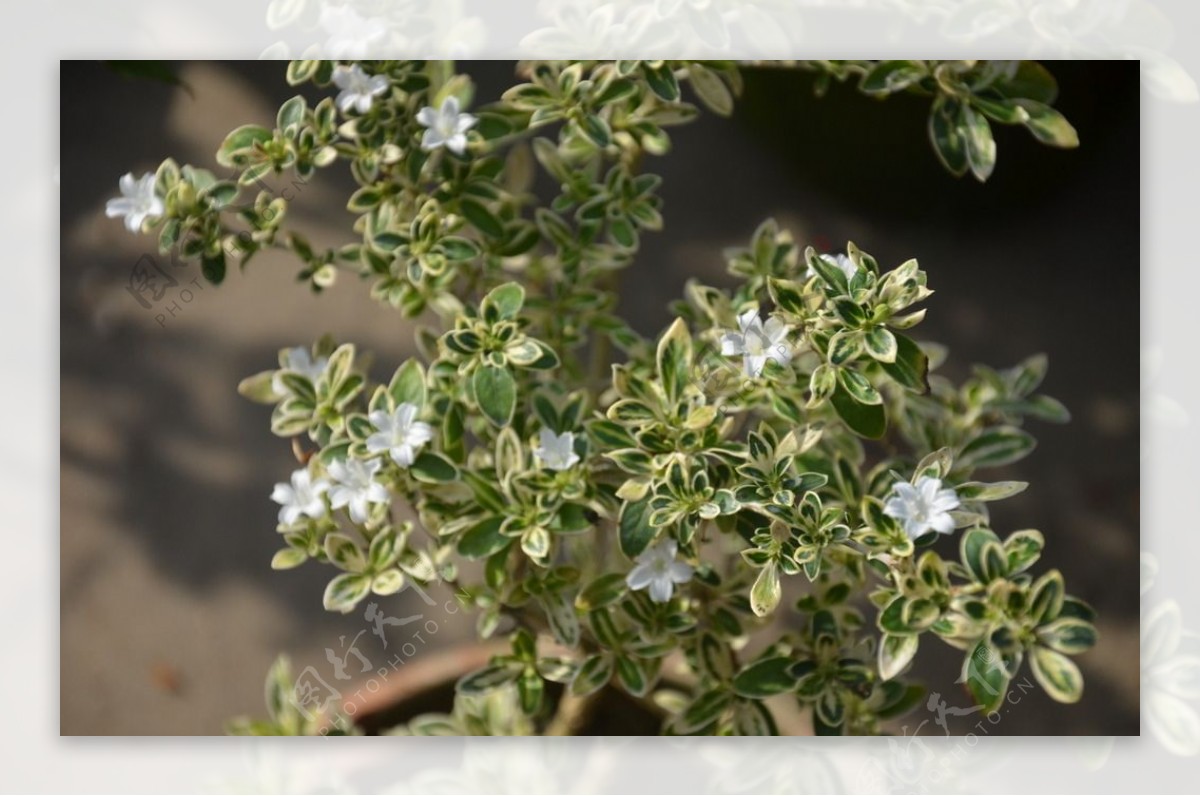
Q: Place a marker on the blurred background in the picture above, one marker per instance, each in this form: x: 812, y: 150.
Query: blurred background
x: 170, y: 613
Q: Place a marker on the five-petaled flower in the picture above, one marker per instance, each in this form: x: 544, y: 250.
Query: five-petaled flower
x: 299, y: 360
x: 657, y: 568
x: 137, y: 201
x: 400, y: 434
x: 447, y: 127
x: 922, y: 507
x: 358, y: 89
x: 301, y: 497
x: 757, y: 342
x: 355, y: 486
x: 556, y: 451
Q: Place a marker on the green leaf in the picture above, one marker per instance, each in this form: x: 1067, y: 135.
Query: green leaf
x: 766, y: 592
x: 1022, y: 549
x: 344, y: 553
x: 704, y: 710
x: 481, y: 218
x: 288, y: 558
x: 496, y: 393
x: 530, y: 691
x: 995, y: 447
x: 766, y: 677
x: 408, y: 384
x: 944, y: 132
x: 1046, y: 597
x: 911, y: 367
x: 561, y: 616
x: 985, y: 676
x: 1048, y: 125
x: 632, y: 676
x: 981, y: 148
x: 259, y: 388
x: 786, y: 294
x: 483, y: 539
x: 1068, y: 635
x: 291, y: 115
x: 753, y: 718
x: 234, y: 150
x: 604, y: 590
x: 881, y: 344
x: 221, y: 194
x: 505, y: 301
x: 1031, y: 81
x: 1056, y: 673
x: 830, y: 273
x: 858, y: 387
x: 973, y: 550
x: 433, y: 468
x: 489, y: 678
x: 711, y: 90
x: 345, y: 591
x: 213, y: 268
x: 895, y: 652
x: 458, y: 249
x: 674, y: 358
x: 888, y: 77
x: 635, y: 532
x: 662, y: 82
x: 899, y: 699
x: 596, y: 130
x: 974, y: 490
x: 865, y: 420
x: 594, y: 673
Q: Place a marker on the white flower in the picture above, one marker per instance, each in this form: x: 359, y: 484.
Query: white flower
x: 137, y: 202
x: 556, y: 451
x: 447, y: 127
x: 757, y: 343
x: 302, y: 496
x: 358, y: 89
x: 657, y: 568
x: 922, y: 507
x: 354, y: 486
x: 298, y: 360
x: 400, y: 433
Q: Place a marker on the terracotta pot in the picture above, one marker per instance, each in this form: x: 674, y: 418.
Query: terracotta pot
x: 425, y: 684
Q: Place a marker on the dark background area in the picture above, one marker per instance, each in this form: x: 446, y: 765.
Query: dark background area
x: 170, y: 613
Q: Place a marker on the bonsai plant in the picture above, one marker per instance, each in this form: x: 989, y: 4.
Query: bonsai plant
x: 636, y: 506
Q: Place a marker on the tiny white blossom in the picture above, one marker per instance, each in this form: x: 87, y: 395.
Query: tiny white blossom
x: 447, y: 127
x: 757, y: 342
x: 299, y: 360
x: 400, y: 434
x: 301, y: 496
x: 923, y: 507
x: 657, y: 568
x: 355, y: 486
x: 556, y: 451
x: 358, y: 89
x: 137, y: 201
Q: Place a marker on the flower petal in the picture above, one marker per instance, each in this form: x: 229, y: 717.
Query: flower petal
x: 639, y: 577
x: 732, y: 343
